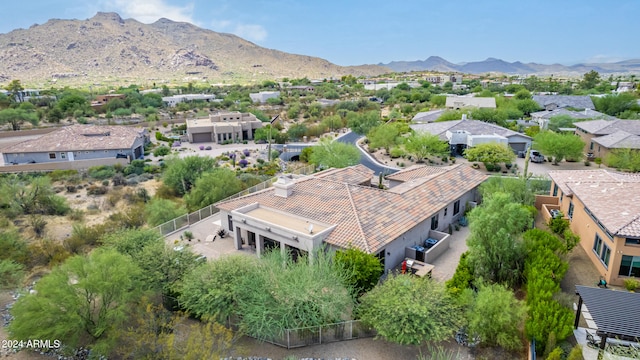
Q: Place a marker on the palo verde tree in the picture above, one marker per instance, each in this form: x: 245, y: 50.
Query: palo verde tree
x: 409, y: 310
x: 334, y: 154
x: 81, y: 302
x: 559, y: 146
x: 181, y: 173
x: 213, y: 186
x: 364, y: 270
x: 17, y: 117
x: 496, y: 252
x: 422, y: 144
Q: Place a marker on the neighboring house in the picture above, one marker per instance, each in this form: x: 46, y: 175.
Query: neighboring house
x: 79, y: 142
x: 302, y: 89
x: 603, y: 208
x: 390, y: 85
x: 542, y: 117
x: 427, y: 116
x: 327, y: 102
x: 174, y: 100
x: 223, y: 126
x: 464, y: 133
x: 263, y: 96
x: 624, y: 86
x: 340, y: 208
x: 102, y: 100
x: 459, y: 102
x: 552, y: 102
x: 602, y: 136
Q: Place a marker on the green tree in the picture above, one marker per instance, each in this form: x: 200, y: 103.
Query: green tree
x: 11, y: 273
x: 624, y: 159
x: 560, y: 146
x: 527, y: 106
x: 463, y: 277
x: 409, y: 310
x: 297, y: 131
x: 13, y: 247
x: 496, y: 252
x: 518, y: 188
x: 363, y: 123
x: 181, y: 173
x: 212, y: 186
x: 82, y: 302
x: 490, y: 153
x: 35, y: 197
x: 15, y: 88
x: 615, y: 105
x: 16, y: 117
x: 212, y: 290
x: 364, y: 269
x: 560, y: 121
x: 497, y: 317
x: 590, y: 80
x: 385, y: 136
x: 421, y: 144
x: 334, y: 154
x: 522, y: 94
x: 158, y: 211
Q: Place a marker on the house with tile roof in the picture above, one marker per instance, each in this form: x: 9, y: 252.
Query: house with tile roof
x: 602, y: 136
x: 461, y: 134
x: 223, y: 126
x: 459, y: 102
x: 79, y: 142
x: 552, y: 102
x: 339, y: 208
x: 543, y: 117
x: 603, y: 208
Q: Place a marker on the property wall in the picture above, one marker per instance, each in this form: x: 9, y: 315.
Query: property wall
x: 62, y: 165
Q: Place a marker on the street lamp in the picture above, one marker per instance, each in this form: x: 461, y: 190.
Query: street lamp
x: 271, y: 127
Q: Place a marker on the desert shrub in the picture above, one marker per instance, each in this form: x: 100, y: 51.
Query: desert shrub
x: 38, y: 223
x: 46, y: 252
x: 556, y: 354
x: 11, y: 273
x: 571, y: 239
x: 396, y: 152
x: 462, y: 278
x: 97, y: 190
x: 159, y: 210
x: 243, y: 163
x: 631, y: 284
x: 489, y: 166
x: 165, y: 192
x: 161, y: 137
x: 101, y: 172
x: 136, y: 167
x: 576, y: 353
x: 76, y: 215
x: 71, y: 189
x: 161, y: 151
x: 558, y: 225
x: 59, y: 175
x: 118, y: 180
x: 105, y: 182
x: 13, y: 247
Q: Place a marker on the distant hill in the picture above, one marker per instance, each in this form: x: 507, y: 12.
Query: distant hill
x: 107, y: 47
x: 436, y: 63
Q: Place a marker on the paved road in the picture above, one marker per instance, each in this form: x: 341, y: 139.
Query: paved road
x: 366, y: 159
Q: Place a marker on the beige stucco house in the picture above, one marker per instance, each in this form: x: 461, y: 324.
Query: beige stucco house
x: 603, y: 208
x: 223, y: 126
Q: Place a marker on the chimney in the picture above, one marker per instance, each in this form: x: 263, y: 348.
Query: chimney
x: 284, y: 186
x: 464, y: 116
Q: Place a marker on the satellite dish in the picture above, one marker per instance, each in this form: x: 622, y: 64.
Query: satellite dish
x: 310, y: 228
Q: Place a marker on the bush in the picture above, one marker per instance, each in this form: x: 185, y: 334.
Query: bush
x: 243, y: 163
x: 162, y: 151
x: 631, y: 284
x: 558, y: 225
x: 396, y: 152
x: 102, y: 172
x: 489, y: 166
x: 58, y: 175
x: 161, y: 137
x: 462, y: 278
x: 97, y: 190
x: 11, y: 273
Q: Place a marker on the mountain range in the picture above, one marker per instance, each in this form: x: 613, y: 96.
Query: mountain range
x: 436, y: 63
x: 108, y: 48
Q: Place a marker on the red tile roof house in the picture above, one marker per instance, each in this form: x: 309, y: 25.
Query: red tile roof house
x: 603, y: 207
x: 338, y: 207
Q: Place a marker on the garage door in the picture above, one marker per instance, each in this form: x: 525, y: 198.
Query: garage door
x: 201, y: 137
x: 518, y: 146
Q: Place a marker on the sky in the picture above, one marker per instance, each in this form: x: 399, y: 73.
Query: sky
x: 356, y: 32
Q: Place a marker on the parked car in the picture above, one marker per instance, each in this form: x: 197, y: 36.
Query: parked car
x: 536, y: 157
x: 555, y: 213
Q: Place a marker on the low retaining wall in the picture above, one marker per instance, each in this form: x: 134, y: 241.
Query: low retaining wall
x: 62, y: 165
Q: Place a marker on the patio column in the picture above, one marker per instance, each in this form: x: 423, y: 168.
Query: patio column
x: 578, y: 310
x: 237, y: 239
x: 259, y: 245
x: 603, y: 344
x: 283, y: 249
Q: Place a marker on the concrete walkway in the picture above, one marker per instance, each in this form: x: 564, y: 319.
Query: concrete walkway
x: 446, y: 264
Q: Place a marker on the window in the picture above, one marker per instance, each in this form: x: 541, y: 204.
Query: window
x: 229, y: 219
x: 561, y: 196
x: 380, y: 257
x: 602, y: 250
x: 445, y: 211
x: 52, y: 155
x: 630, y: 241
x: 63, y: 155
x: 591, y: 146
x: 434, y: 222
x: 555, y: 189
x: 570, y: 212
x: 630, y: 266
x: 456, y: 207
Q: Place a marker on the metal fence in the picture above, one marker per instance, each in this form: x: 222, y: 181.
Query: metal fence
x: 187, y: 220
x: 315, y: 335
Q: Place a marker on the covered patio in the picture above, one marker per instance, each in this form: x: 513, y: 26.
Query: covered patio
x: 613, y: 315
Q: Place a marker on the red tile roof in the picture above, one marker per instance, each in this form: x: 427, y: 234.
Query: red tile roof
x: 366, y: 217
